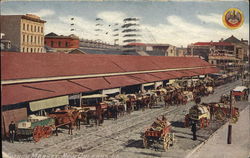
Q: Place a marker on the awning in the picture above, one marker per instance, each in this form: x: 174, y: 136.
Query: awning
x: 111, y: 91
x: 49, y: 103
x: 163, y: 75
x: 94, y: 96
x: 12, y: 115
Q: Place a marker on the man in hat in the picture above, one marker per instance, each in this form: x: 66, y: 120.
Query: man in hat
x: 12, y: 131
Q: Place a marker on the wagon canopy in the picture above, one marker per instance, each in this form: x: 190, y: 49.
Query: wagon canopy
x: 239, y: 89
x: 49, y: 103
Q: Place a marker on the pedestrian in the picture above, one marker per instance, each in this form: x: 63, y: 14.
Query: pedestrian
x: 12, y: 131
x: 194, y: 129
x: 211, y: 113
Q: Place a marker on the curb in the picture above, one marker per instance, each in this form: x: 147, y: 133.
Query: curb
x: 205, y: 141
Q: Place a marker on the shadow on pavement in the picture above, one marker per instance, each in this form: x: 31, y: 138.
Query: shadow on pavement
x: 135, y: 143
x: 177, y: 124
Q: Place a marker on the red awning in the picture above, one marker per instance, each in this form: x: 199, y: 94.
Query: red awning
x: 203, y: 71
x: 145, y: 77
x: 13, y: 94
x: 120, y: 81
x: 163, y: 75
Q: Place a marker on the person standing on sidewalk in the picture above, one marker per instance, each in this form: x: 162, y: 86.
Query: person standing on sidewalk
x: 194, y: 129
x: 12, y: 131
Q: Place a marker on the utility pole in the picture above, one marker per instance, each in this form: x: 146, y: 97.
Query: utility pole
x: 229, y: 136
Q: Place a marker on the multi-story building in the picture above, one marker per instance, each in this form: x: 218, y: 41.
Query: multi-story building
x: 152, y: 49
x: 241, y: 47
x: 203, y: 49
x: 62, y: 43
x: 26, y: 32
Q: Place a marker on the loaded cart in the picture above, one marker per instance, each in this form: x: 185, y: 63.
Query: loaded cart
x: 159, y: 131
x: 35, y: 126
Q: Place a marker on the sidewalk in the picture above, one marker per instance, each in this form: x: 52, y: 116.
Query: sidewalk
x: 217, y: 147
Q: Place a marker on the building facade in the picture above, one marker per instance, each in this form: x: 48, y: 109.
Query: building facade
x: 204, y: 49
x: 26, y: 32
x: 152, y: 49
x: 241, y: 47
x: 62, y: 43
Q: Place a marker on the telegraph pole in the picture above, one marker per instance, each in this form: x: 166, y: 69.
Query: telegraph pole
x: 229, y: 136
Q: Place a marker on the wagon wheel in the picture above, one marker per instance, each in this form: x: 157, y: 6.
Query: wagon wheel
x: 37, y: 133
x: 220, y: 115
x: 234, y: 119
x: 166, y: 142
x: 47, y: 131
x: 145, y: 142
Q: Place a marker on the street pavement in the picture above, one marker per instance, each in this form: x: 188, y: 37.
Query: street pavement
x: 217, y: 147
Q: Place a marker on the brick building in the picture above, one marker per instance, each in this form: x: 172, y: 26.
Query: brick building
x: 62, y: 43
x: 26, y: 32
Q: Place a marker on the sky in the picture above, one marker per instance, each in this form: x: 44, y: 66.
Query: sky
x: 167, y: 22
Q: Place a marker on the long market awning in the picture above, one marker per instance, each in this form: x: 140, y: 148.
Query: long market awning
x: 49, y: 103
x: 17, y: 93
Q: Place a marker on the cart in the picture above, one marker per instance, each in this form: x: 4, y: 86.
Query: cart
x: 35, y: 126
x: 221, y: 111
x: 199, y: 114
x: 240, y: 93
x: 159, y: 134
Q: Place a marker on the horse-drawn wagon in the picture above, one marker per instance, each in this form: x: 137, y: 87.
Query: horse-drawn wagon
x: 199, y: 114
x: 35, y: 126
x: 159, y: 131
x: 221, y: 111
x: 240, y: 93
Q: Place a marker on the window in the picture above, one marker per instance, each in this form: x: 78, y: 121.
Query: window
x: 52, y: 43
x: 27, y: 38
x: 66, y: 44
x: 38, y: 29
x: 23, y: 49
x: 31, y: 27
x: 42, y: 29
x: 31, y: 50
x: 23, y: 38
x: 23, y: 26
x: 34, y: 28
x: 31, y: 38
x: 41, y: 40
x: 38, y: 40
x: 35, y: 39
x: 27, y: 27
x: 59, y: 43
x: 27, y: 49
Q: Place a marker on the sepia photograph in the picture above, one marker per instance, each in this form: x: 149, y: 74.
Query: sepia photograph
x: 125, y: 79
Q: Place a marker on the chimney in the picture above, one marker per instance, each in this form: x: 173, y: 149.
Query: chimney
x: 221, y: 40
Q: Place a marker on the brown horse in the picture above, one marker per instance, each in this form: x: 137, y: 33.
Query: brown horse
x: 65, y: 117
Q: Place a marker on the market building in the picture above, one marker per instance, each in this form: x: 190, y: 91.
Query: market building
x: 61, y: 43
x: 59, y: 79
x: 25, y: 32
